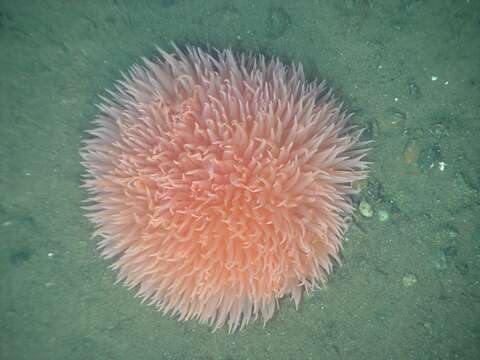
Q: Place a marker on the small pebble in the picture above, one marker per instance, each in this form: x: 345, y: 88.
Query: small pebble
x: 409, y: 279
x: 428, y: 326
x: 440, y: 261
x: 452, y: 232
x: 383, y: 215
x: 365, y: 209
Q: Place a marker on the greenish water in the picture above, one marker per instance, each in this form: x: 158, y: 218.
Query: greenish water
x: 409, y: 285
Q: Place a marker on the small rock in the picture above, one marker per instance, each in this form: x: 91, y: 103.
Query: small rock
x: 409, y: 280
x: 365, y: 209
x: 371, y: 129
x: 415, y: 132
x: 429, y: 155
x: 462, y: 268
x: 20, y: 257
x: 448, y: 231
x: 398, y: 118
x: 428, y: 326
x: 414, y: 89
x: 383, y: 215
x: 440, y: 261
x: 439, y: 131
x: 278, y: 22
x: 450, y: 251
x: 410, y: 153
x: 374, y: 191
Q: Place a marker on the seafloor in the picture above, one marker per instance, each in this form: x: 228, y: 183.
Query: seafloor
x: 409, y: 284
